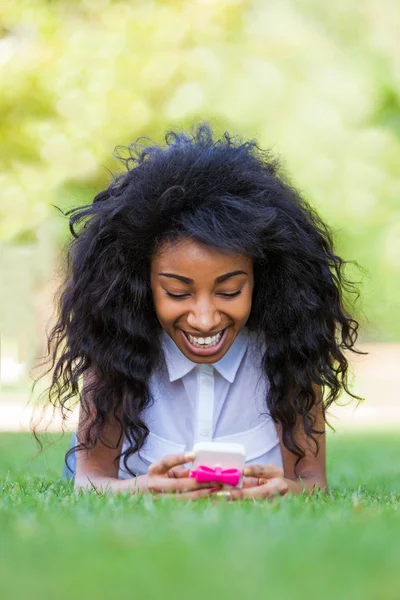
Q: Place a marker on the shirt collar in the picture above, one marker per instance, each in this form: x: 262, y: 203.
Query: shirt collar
x: 179, y: 365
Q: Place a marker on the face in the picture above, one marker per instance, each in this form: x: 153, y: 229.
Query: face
x: 202, y: 297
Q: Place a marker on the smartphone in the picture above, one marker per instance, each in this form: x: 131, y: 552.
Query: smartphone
x: 219, y: 456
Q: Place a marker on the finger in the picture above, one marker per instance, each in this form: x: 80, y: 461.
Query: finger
x: 178, y: 472
x: 274, y: 487
x: 161, y: 467
x: 265, y: 471
x: 193, y: 495
x: 250, y: 482
x: 253, y: 481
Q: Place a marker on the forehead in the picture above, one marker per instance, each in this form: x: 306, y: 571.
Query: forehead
x: 193, y: 259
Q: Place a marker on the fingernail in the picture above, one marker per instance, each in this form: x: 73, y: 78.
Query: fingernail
x: 224, y: 494
x: 246, y: 471
x: 189, y: 455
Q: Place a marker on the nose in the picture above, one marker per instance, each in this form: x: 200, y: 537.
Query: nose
x: 204, y: 317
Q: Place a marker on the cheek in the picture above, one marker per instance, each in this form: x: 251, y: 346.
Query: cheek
x: 241, y: 311
x: 165, y: 310
x: 246, y: 306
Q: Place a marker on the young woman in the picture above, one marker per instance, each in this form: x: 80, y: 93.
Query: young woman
x: 203, y: 301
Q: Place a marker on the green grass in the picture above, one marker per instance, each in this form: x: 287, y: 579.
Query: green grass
x: 56, y: 544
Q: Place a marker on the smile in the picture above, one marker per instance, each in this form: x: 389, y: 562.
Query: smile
x: 207, y: 342
x: 205, y: 345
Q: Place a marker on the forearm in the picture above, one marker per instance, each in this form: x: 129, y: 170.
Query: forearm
x: 297, y: 485
x: 102, y: 483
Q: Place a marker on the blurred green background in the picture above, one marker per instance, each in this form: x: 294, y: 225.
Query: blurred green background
x: 319, y: 84
x: 316, y: 82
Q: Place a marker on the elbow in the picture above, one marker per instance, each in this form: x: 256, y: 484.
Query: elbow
x: 318, y: 485
x: 311, y: 484
x: 79, y: 484
x: 83, y: 483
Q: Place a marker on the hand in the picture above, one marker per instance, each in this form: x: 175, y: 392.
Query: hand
x: 169, y: 477
x: 260, y: 481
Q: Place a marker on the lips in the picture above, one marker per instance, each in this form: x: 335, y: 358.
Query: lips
x: 197, y: 346
x: 204, y: 342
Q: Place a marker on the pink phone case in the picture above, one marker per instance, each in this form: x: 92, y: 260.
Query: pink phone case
x: 219, y: 462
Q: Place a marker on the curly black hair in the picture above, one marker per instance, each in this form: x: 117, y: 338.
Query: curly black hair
x: 227, y: 193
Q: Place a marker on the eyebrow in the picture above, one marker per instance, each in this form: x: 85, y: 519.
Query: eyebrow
x: 219, y: 279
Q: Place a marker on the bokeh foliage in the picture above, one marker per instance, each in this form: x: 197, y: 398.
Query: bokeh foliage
x: 319, y: 83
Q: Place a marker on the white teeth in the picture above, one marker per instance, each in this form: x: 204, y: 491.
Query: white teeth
x: 207, y: 342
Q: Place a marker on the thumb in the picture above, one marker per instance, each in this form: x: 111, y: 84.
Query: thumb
x: 253, y: 481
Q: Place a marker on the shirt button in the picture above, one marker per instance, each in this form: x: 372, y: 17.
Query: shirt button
x: 205, y: 432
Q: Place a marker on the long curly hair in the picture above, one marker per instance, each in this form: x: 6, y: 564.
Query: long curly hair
x: 227, y: 193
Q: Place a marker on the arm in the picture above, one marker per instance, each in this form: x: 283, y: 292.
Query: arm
x: 98, y: 468
x: 311, y: 470
x: 266, y: 481
x: 166, y: 476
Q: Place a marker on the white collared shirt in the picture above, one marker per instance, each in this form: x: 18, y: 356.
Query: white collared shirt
x: 222, y: 402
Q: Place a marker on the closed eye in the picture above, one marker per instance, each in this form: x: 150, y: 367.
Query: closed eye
x: 232, y: 295
x: 177, y: 296
x: 182, y: 296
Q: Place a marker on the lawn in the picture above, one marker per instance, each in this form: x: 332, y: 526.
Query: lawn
x: 58, y: 545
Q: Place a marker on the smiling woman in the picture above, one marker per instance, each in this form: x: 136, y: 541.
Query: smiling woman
x: 203, y: 301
